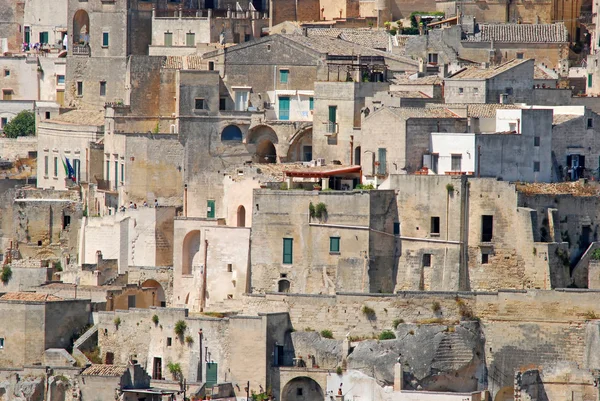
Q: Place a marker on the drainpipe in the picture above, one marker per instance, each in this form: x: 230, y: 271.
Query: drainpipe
x: 351, y: 150
x: 478, y: 161
x: 203, y: 299
x: 185, y: 198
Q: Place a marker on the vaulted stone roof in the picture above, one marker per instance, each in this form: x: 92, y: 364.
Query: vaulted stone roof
x: 520, y: 33
x: 29, y: 297
x: 104, y: 370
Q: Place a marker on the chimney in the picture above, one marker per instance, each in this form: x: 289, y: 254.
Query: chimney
x: 422, y: 67
x: 445, y: 70
x: 398, y: 377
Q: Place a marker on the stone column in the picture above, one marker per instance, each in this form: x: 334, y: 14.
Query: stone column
x: 398, y: 378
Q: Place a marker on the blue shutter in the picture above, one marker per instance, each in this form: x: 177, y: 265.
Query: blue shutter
x: 288, y: 244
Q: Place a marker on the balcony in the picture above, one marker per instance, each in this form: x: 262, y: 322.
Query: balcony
x: 331, y: 128
x: 81, y: 50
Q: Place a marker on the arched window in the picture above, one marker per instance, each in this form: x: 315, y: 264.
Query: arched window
x: 241, y: 216
x: 283, y: 286
x: 231, y: 133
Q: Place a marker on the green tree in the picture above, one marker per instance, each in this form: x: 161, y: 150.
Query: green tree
x: 22, y: 125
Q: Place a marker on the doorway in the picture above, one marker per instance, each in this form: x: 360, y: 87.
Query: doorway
x: 157, y: 369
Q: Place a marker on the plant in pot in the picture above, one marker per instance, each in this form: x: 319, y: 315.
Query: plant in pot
x: 317, y: 186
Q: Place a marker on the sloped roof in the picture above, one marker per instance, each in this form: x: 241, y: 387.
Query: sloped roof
x: 476, y: 72
x: 334, y: 46
x: 183, y: 62
x: 104, y: 370
x: 539, y: 73
x: 417, y: 112
x: 476, y: 110
x: 563, y: 118
x: 373, y: 38
x: 426, y: 80
x: 80, y: 117
x: 520, y: 33
x: 29, y: 297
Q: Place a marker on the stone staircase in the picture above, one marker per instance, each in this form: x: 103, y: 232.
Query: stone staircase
x: 80, y: 342
x: 452, y: 353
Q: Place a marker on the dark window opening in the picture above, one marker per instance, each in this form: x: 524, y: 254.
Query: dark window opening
x: 426, y: 260
x: 485, y: 258
x: 590, y: 123
x: 299, y: 391
x: 223, y: 103
x: 47, y: 115
x: 536, y: 141
x: 435, y: 225
x: 199, y: 104
x: 396, y: 228
x: 131, y: 301
x: 66, y: 221
x: 169, y: 341
x: 487, y: 228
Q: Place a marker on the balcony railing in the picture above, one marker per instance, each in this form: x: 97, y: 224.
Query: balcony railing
x: 81, y: 50
x: 331, y: 128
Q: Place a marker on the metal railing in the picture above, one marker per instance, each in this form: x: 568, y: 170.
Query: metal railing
x: 81, y: 50
x: 331, y: 127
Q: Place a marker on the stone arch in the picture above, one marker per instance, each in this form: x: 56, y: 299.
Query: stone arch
x: 357, y: 156
x: 231, y: 133
x: 262, y: 140
x: 81, y: 20
x: 159, y: 298
x: 301, y: 146
x: 241, y: 216
x: 302, y: 388
x: 191, y: 247
x: 266, y: 152
x: 283, y: 286
x: 505, y: 394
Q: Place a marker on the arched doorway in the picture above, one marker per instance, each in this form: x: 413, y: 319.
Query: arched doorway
x: 265, y: 152
x: 283, y: 286
x: 301, y: 147
x: 191, y: 247
x: 302, y: 389
x: 241, y: 216
x: 357, y: 151
x: 159, y: 298
x: 81, y: 27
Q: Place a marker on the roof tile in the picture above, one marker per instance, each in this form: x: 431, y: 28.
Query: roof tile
x: 105, y: 370
x: 29, y: 297
x: 520, y: 33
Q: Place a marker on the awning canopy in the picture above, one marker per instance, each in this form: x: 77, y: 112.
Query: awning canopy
x: 323, y: 173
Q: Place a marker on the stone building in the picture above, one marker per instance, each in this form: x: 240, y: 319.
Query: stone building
x: 39, y: 322
x: 11, y: 19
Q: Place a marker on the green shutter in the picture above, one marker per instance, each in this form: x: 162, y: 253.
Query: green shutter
x: 168, y: 39
x: 311, y: 103
x: 284, y: 108
x: 211, y: 374
x: 334, y: 244
x: 333, y: 114
x: 382, y: 156
x: 190, y: 39
x: 288, y: 245
x: 210, y: 209
x: 105, y: 39
x: 589, y: 80
x: 283, y: 76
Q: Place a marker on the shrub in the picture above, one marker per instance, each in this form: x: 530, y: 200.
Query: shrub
x: 596, y: 254
x: 283, y: 186
x: 214, y: 314
x: 22, y: 125
x: 326, y: 334
x: 117, y: 321
x: 387, y: 335
x: 309, y: 329
x: 311, y: 210
x: 93, y: 355
x: 436, y: 307
x: 435, y: 320
x: 368, y: 310
x: 366, y: 187
x: 449, y: 188
x: 396, y: 323
x: 339, y: 371
x: 320, y: 210
x: 412, y: 332
x: 6, y: 274
x: 180, y: 328
x: 175, y: 370
x: 155, y: 319
x: 189, y: 340
x: 591, y: 315
x: 58, y: 266
x: 464, y: 310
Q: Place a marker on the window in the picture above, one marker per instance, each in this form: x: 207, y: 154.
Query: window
x: 168, y: 39
x: 283, y: 76
x: 7, y: 94
x: 485, y: 258
x: 102, y: 88
x: 382, y: 159
x: 487, y: 228
x: 536, y: 167
x: 47, y: 114
x: 169, y: 341
x: 104, y: 39
x: 107, y: 170
x: 211, y: 66
x: 247, y: 37
x: 223, y: 103
x: 334, y: 244
x: 122, y: 173
x: 435, y: 225
x: 46, y: 166
x: 284, y: 108
x: 311, y: 103
x: 332, y: 122
x: 299, y: 392
x: 79, y: 88
x: 190, y: 39
x: 590, y: 123
x: 461, y: 91
x: 210, y: 209
x: 475, y: 90
x: 199, y: 103
x: 44, y: 37
x: 508, y: 91
x: 426, y: 260
x: 229, y: 268
x: 55, y: 166
x: 456, y: 162
x: 536, y: 141
x: 131, y: 301
x: 590, y: 80
x: 288, y: 245
x: 432, y: 58
x: 66, y: 221
x: 116, y: 172
x: 396, y: 228
x: 3, y: 121
x: 1, y: 343
x: 7, y: 73
x: 520, y: 56
x: 241, y: 100
x: 512, y: 127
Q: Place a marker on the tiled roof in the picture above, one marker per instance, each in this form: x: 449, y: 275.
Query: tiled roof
x: 410, y: 94
x: 418, y: 112
x: 539, y: 73
x: 29, y: 297
x: 80, y: 117
x: 477, y: 72
x: 520, y: 33
x: 183, y: 63
x: 334, y: 46
x: 173, y: 62
x: 374, y: 38
x: 426, y: 80
x: 563, y: 118
x: 105, y: 370
x: 476, y: 109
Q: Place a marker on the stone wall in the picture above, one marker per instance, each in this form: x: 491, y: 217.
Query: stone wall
x: 291, y: 10
x: 21, y: 147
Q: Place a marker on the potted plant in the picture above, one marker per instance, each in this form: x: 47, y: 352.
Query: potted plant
x: 317, y: 186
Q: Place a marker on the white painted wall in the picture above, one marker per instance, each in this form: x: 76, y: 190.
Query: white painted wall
x: 299, y: 104
x: 447, y: 144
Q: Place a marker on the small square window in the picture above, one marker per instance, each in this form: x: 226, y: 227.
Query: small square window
x: 1, y: 343
x: 7, y: 73
x: 223, y: 103
x: 299, y: 391
x: 60, y: 79
x: 102, y: 88
x: 461, y: 91
x: 426, y: 260
x: 476, y: 91
x: 229, y: 296
x: 199, y: 104
x: 520, y: 56
x: 536, y: 141
x: 590, y: 123
x: 7, y: 94
x: 485, y: 257
x: 508, y: 91
x: 536, y: 167
x: 334, y: 244
x: 229, y: 267
x: 169, y: 341
x: 47, y: 115
x: 283, y: 76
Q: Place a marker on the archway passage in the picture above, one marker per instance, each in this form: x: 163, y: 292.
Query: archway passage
x: 241, y: 216
x: 81, y: 27
x: 283, y: 286
x: 159, y: 298
x: 232, y: 133
x: 301, y: 147
x: 266, y: 152
x: 191, y: 247
x: 302, y: 389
